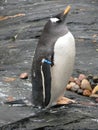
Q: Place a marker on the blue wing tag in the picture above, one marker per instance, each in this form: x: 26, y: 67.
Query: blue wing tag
x: 46, y: 61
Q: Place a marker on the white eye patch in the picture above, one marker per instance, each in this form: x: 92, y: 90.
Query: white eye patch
x: 54, y: 20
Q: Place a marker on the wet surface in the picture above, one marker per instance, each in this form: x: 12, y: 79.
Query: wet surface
x: 20, y: 28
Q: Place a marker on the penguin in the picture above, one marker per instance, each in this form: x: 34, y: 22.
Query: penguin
x: 53, y: 61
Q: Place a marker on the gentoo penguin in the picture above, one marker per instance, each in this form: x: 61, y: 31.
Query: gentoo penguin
x: 53, y: 61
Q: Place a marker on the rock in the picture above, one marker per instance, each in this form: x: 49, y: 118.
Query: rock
x: 81, y: 77
x: 90, y: 76
x: 95, y: 90
x: 77, y: 81
x: 93, y: 84
x: 24, y: 76
x: 90, y: 79
x: 95, y: 79
x: 80, y: 91
x: 71, y: 79
x: 10, y: 98
x: 85, y: 85
x: 86, y: 92
x: 68, y: 87
x: 75, y: 88
x: 72, y: 84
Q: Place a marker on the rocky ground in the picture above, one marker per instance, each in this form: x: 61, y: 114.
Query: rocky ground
x: 21, y: 23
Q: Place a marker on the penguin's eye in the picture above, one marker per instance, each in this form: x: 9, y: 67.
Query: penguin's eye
x: 54, y: 20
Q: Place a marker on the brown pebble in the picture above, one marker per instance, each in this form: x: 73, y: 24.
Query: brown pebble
x: 77, y: 81
x: 10, y: 99
x: 95, y: 90
x: 81, y: 77
x: 85, y: 85
x: 24, y: 76
x: 68, y: 87
x: 86, y: 92
x: 71, y: 79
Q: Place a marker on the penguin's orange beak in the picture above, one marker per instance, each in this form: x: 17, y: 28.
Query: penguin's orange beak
x: 62, y: 16
x: 67, y: 10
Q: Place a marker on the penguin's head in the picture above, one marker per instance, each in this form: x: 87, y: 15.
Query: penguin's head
x: 56, y: 24
x: 60, y: 17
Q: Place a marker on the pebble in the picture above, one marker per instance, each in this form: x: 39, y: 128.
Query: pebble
x: 75, y: 88
x: 95, y: 79
x: 77, y: 81
x: 90, y: 76
x: 85, y: 85
x: 71, y: 79
x: 70, y: 85
x: 86, y: 92
x: 95, y: 90
x: 10, y: 99
x: 80, y: 91
x: 23, y: 75
x: 81, y: 77
x: 93, y: 84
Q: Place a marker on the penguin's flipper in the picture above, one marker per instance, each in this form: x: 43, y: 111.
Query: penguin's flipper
x: 46, y: 66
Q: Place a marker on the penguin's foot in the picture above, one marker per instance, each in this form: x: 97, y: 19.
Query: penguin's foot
x: 63, y: 101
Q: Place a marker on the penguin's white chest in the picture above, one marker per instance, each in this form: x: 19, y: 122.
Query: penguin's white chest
x: 64, y: 55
